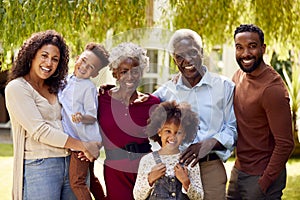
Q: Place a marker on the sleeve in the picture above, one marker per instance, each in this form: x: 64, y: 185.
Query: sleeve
x: 142, y: 189
x: 21, y: 105
x: 195, y: 191
x: 228, y: 134
x: 277, y: 109
x: 166, y: 92
x: 160, y: 93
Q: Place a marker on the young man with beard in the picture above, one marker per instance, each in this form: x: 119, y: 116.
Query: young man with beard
x: 211, y: 97
x: 262, y: 109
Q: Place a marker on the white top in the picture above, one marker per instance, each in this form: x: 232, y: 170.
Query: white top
x: 36, y: 127
x: 142, y: 189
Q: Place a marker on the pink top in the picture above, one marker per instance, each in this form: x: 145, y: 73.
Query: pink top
x: 121, y: 124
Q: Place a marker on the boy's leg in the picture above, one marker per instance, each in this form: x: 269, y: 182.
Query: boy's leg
x: 78, y: 173
x: 96, y: 187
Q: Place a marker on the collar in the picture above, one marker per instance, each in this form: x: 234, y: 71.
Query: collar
x: 205, y: 80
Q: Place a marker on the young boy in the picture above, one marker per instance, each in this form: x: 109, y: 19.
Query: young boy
x: 79, y: 116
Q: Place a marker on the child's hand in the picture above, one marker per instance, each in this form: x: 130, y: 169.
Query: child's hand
x: 157, y: 171
x: 77, y: 117
x: 82, y: 157
x: 182, y: 174
x: 92, y: 150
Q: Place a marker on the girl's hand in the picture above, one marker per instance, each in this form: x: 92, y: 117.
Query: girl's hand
x: 157, y: 171
x: 182, y: 174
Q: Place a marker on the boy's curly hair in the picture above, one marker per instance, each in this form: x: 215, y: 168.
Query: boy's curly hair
x: 171, y: 112
x: 100, y: 51
x: 28, y: 50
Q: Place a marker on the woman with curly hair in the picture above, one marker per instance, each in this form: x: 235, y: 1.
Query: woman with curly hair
x: 160, y: 175
x: 123, y: 113
x: 41, y: 148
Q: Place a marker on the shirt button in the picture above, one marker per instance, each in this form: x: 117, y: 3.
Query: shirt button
x: 173, y: 179
x: 173, y: 194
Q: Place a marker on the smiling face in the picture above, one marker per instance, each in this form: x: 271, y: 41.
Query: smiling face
x: 172, y: 136
x: 45, y: 61
x: 87, y: 65
x: 188, y: 58
x: 129, y: 74
x: 249, y: 51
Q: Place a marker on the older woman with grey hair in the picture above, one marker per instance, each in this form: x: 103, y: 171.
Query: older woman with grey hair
x: 123, y: 113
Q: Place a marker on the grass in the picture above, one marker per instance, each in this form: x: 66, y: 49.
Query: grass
x: 291, y: 191
x: 6, y: 150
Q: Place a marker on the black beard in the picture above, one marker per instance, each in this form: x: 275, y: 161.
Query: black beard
x: 251, y: 69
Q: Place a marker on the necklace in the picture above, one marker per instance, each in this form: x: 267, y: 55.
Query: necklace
x: 125, y: 99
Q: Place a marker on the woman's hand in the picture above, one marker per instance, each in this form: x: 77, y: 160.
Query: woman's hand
x: 82, y: 157
x: 92, y: 150
x: 157, y: 171
x: 104, y: 87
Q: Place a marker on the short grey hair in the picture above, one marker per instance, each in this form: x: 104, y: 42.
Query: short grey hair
x: 184, y: 34
x: 128, y: 50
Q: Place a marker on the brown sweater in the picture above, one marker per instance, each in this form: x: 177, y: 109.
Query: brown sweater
x: 265, y: 138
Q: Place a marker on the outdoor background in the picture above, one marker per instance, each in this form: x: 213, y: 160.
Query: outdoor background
x: 6, y: 161
x: 149, y: 23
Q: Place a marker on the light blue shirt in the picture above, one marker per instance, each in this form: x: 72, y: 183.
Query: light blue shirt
x: 80, y: 95
x: 212, y: 99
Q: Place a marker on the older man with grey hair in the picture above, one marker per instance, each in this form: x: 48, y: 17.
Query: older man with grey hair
x: 211, y: 96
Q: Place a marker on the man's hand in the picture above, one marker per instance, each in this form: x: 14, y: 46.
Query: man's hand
x: 190, y: 154
x: 157, y: 171
x: 206, y: 147
x: 197, y: 151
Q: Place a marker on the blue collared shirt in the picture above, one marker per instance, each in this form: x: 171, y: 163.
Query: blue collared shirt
x: 212, y: 99
x: 80, y: 95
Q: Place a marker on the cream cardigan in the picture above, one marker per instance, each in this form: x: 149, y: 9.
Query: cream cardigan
x: 36, y: 127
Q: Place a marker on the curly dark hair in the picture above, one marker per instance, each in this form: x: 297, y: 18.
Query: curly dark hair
x: 28, y: 50
x: 99, y: 51
x: 250, y: 28
x: 171, y: 112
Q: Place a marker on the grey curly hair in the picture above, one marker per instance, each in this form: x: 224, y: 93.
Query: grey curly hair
x: 128, y: 50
